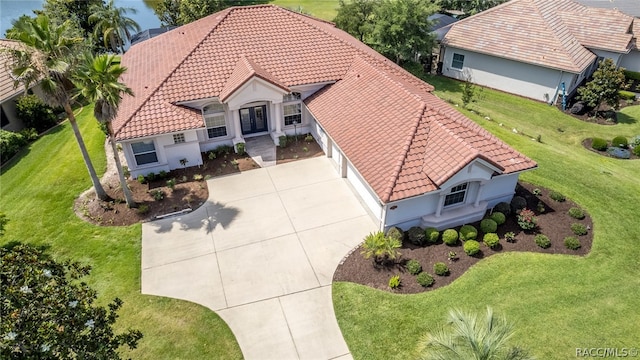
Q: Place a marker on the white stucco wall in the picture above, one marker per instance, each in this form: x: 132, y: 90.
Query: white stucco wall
x: 500, y: 188
x: 364, y: 191
x: 608, y: 55
x: 631, y: 61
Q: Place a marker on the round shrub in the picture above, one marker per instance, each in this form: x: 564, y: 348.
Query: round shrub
x: 425, y: 279
x: 414, y: 267
x: 619, y: 153
x: 635, y: 141
x: 471, y: 247
x: 542, y: 241
x: 440, y: 269
x: 395, y: 233
x: 557, y: 196
x: 450, y: 237
x: 503, y: 207
x: 636, y: 150
x: 576, y: 213
x: 572, y: 243
x: 416, y: 235
x: 518, y: 203
x: 620, y: 141
x: 488, y: 226
x: 599, y: 144
x: 491, y: 240
x: 579, y: 229
x: 498, y: 217
x: 10, y: 144
x: 431, y: 235
x: 468, y: 232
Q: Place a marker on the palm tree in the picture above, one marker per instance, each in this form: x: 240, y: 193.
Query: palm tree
x: 97, y: 80
x: 47, y: 55
x: 113, y: 25
x: 470, y: 337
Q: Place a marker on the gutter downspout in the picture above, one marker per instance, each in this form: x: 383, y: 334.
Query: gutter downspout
x: 383, y: 217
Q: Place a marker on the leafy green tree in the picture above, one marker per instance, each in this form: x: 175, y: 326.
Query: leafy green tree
x: 180, y: 12
x: 168, y: 11
x: 97, y: 80
x: 113, y: 25
x: 47, y: 56
x: 606, y: 81
x: 402, y: 31
x: 469, y: 336
x: 469, y: 7
x: 48, y: 313
x: 357, y: 18
x: 76, y: 11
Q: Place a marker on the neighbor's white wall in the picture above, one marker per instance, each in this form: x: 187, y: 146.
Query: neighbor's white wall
x: 631, y: 61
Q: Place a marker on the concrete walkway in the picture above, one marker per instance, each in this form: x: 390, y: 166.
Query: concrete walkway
x: 261, y: 253
x: 262, y: 150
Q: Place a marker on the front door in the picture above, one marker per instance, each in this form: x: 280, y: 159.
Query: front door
x: 253, y: 119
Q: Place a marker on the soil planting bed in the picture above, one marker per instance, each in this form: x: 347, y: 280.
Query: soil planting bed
x: 297, y: 150
x: 587, y: 145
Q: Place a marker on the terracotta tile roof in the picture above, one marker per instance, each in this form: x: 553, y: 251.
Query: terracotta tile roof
x: 552, y: 34
x: 244, y: 70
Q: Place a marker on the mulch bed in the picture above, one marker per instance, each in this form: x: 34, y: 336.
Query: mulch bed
x: 605, y: 116
x: 297, y: 150
x: 554, y: 222
x: 586, y: 143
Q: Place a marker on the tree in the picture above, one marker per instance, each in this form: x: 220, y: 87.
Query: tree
x: 78, y: 11
x: 606, y: 81
x: 469, y: 7
x: 47, y: 56
x: 97, y: 81
x: 112, y: 24
x: 180, y: 12
x: 47, y: 313
x: 357, y: 18
x: 471, y: 337
x: 402, y: 31
x: 168, y: 11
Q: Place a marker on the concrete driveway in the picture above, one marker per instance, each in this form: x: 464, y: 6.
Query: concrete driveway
x: 261, y: 253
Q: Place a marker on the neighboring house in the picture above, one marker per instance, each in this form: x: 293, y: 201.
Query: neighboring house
x: 531, y: 47
x: 629, y: 7
x: 8, y: 94
x: 149, y: 33
x: 264, y: 70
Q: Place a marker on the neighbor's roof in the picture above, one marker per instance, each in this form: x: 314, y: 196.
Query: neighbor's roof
x: 629, y: 7
x: 400, y: 137
x: 441, y: 24
x: 7, y: 90
x: 554, y: 34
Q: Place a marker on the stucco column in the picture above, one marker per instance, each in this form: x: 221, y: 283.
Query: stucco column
x: 235, y: 117
x: 343, y: 170
x: 277, y: 117
x: 329, y: 147
x: 440, y: 203
x: 479, y: 195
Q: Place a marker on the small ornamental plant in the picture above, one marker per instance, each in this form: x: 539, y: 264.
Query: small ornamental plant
x: 579, y: 229
x: 471, y: 247
x: 527, y: 219
x: 395, y: 282
x: 510, y: 237
x: 576, y: 213
x: 452, y: 256
x: 441, y: 269
x: 491, y: 240
x: 425, y: 279
x: 413, y: 267
x: 572, y: 243
x: 542, y: 241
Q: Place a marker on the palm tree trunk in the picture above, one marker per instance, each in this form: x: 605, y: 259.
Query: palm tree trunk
x: 123, y: 182
x: 100, y: 193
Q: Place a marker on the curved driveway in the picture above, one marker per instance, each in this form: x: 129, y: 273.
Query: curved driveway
x: 261, y: 253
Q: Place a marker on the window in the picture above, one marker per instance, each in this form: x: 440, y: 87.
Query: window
x: 458, y: 61
x: 144, y: 152
x: 214, y: 120
x: 178, y: 138
x: 292, y: 109
x: 456, y: 195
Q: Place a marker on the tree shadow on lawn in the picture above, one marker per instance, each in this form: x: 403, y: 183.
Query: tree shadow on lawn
x: 25, y: 150
x: 623, y: 118
x: 209, y: 216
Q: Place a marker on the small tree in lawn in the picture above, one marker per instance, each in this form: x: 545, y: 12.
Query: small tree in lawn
x: 604, y: 86
x: 468, y: 92
x: 382, y: 248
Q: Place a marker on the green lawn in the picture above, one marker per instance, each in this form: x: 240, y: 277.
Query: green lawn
x: 37, y: 194
x: 323, y: 9
x: 558, y: 303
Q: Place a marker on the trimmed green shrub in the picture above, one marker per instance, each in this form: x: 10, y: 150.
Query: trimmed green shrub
x: 141, y: 179
x: 468, y: 232
x: 151, y: 176
x: 510, y: 237
x: 143, y: 209
x: 518, y: 203
x: 503, y: 207
x: 633, y: 75
x: 491, y: 240
x: 576, y: 213
x: 498, y: 217
x: 572, y: 243
x: 542, y: 241
x: 163, y: 174
x: 431, y: 235
x: 579, y: 229
x: 488, y: 226
x: 425, y: 279
x: 635, y: 141
x: 416, y: 235
x: 557, y: 196
x: 471, y: 247
x: 413, y: 267
x: 35, y: 114
x: 240, y: 148
x: 282, y: 141
x: 636, y: 150
x: 171, y: 183
x: 10, y: 144
x: 395, y: 233
x: 441, y: 269
x: 450, y: 237
x: 29, y: 134
x: 158, y: 195
x: 309, y: 138
x: 619, y: 153
x: 394, y: 282
x: 599, y: 144
x: 620, y: 141
x: 626, y: 95
x: 527, y: 219
x: 380, y: 247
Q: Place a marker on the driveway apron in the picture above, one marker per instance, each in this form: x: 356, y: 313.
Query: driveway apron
x: 261, y: 252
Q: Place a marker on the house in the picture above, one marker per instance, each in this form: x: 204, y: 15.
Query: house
x: 263, y: 70
x: 532, y: 47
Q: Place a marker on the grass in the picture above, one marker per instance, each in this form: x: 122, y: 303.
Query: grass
x: 323, y: 9
x: 37, y: 193
x: 557, y: 303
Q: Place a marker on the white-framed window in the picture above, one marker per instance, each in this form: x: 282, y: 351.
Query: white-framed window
x: 458, y: 61
x: 456, y: 195
x: 292, y: 108
x: 144, y: 152
x: 214, y: 120
x: 178, y: 138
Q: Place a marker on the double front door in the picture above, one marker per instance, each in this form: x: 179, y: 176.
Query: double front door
x: 253, y: 119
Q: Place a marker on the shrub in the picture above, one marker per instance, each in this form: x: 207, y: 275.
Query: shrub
x: 510, y: 237
x: 125, y: 171
x: 395, y: 233
x: 635, y: 141
x: 162, y: 174
x: 143, y: 209
x: 619, y: 153
x: 527, y: 219
x: 198, y: 177
x: 452, y: 256
x: 151, y: 176
x: 491, y: 240
x: 542, y: 241
x: 240, y: 148
x: 35, y: 114
x: 282, y: 141
x: 141, y: 179
x: 380, y: 247
x: 572, y: 243
x: 503, y: 207
x: 425, y: 279
x: 628, y: 74
x: 450, y: 237
x: 518, y: 203
x: 620, y: 141
x: 308, y: 138
x: 171, y: 183
x: 29, y: 134
x: 540, y: 207
x: 579, y: 229
x: 576, y: 213
x: 440, y: 269
x: 599, y: 144
x: 394, y: 282
x: 471, y: 247
x: 488, y: 226
x: 498, y: 217
x: 626, y: 95
x: 211, y: 155
x: 10, y: 144
x: 414, y: 267
x: 158, y: 195
x: 416, y: 235
x: 557, y: 196
x: 431, y: 235
x: 468, y: 232
x: 636, y: 150
x: 537, y: 192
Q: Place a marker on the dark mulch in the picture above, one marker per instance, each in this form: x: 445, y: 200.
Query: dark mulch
x: 586, y: 143
x: 554, y: 222
x: 297, y: 150
x: 603, y: 117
